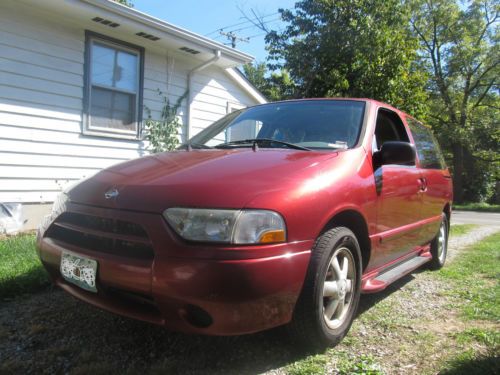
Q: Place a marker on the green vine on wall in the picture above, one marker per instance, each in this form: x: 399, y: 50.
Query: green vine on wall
x: 163, y: 134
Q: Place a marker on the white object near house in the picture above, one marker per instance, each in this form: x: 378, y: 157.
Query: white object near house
x: 10, y: 218
x: 75, y: 77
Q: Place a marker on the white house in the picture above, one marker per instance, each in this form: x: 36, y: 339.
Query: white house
x: 75, y: 79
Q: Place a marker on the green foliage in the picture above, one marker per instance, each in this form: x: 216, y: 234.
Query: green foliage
x: 460, y: 52
x: 360, y: 48
x: 482, y: 207
x: 163, y: 134
x: 256, y: 73
x: 274, y: 86
x: 20, y: 269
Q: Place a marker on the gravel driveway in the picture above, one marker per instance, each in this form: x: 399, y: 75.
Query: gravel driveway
x: 473, y: 217
x: 51, y: 332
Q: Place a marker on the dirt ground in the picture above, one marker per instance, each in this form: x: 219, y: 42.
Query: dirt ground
x: 407, y: 329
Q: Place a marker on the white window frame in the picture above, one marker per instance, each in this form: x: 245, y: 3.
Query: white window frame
x: 88, y: 128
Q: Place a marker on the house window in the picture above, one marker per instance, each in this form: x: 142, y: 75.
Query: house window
x: 113, y: 87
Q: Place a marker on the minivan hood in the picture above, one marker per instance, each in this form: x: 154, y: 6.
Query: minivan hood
x: 198, y: 178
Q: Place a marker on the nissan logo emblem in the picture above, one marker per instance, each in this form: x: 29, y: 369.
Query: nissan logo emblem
x: 112, y: 193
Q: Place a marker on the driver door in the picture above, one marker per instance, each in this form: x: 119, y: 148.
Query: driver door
x: 399, y: 201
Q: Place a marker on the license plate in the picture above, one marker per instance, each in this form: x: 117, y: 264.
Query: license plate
x: 79, y: 270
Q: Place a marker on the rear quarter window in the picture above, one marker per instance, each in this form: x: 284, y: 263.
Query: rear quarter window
x: 428, y: 151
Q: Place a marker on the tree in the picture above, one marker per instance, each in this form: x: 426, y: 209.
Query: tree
x: 256, y: 74
x: 274, y: 86
x: 461, y: 54
x: 361, y: 48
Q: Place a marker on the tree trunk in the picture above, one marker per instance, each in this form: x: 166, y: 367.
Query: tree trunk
x: 458, y: 173
x: 496, y: 197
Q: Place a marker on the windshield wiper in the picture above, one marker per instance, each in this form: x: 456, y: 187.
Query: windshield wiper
x: 189, y: 145
x: 260, y: 141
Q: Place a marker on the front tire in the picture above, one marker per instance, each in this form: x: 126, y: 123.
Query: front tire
x: 439, y: 245
x: 329, y: 299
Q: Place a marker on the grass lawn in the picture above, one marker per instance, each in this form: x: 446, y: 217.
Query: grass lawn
x: 483, y: 207
x: 475, y: 277
x: 466, y: 340
x: 459, y: 229
x: 20, y: 269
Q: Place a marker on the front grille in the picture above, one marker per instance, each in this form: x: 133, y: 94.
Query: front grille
x: 102, y: 235
x: 102, y: 224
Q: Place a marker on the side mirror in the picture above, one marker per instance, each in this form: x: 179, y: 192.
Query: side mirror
x: 395, y: 152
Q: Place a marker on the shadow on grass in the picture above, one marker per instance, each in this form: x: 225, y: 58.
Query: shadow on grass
x: 63, y: 334
x: 54, y: 332
x: 27, y: 283
x: 467, y: 365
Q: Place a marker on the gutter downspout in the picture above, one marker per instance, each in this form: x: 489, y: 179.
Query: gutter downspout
x: 217, y: 56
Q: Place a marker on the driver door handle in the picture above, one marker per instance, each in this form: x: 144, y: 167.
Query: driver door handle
x: 422, y: 184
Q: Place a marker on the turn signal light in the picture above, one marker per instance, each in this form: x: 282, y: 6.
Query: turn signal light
x: 272, y: 236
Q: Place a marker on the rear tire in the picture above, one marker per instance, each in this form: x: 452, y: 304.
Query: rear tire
x: 439, y: 245
x: 329, y: 299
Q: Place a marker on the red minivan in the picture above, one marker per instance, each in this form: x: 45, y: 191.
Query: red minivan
x: 281, y: 213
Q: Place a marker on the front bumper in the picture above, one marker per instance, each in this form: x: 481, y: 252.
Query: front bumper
x: 218, y: 290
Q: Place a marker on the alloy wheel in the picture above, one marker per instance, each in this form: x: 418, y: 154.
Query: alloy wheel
x: 441, y: 251
x: 338, y: 287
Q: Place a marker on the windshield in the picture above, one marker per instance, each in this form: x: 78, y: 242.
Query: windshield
x: 310, y: 124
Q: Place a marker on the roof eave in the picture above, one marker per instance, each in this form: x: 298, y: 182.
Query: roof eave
x: 167, y: 28
x: 240, y: 78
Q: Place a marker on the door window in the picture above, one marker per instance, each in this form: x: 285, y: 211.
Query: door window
x: 389, y: 127
x: 428, y: 151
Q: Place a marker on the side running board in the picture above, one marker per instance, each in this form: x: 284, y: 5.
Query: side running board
x: 382, y: 280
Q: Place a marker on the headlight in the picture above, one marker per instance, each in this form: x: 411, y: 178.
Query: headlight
x: 228, y: 226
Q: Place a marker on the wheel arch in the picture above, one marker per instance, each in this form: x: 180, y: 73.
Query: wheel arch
x: 447, y: 212
x: 355, y: 221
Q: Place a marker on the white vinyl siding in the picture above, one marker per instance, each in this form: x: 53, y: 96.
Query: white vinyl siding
x: 42, y: 145
x: 42, y: 148
x: 156, y: 77
x: 215, y: 93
